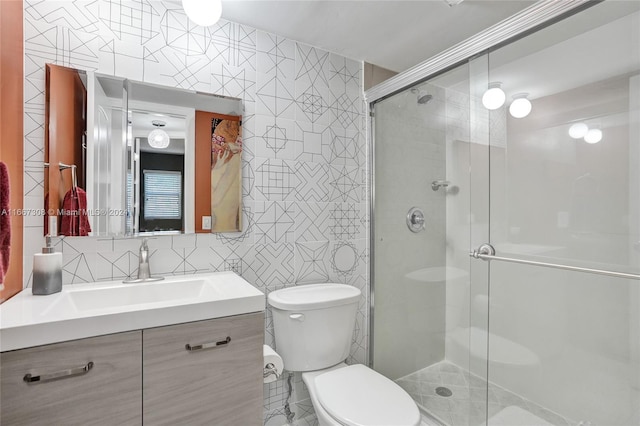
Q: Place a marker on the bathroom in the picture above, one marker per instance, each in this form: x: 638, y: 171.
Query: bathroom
x: 543, y: 324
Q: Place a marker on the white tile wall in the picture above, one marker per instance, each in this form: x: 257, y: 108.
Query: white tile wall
x: 303, y: 122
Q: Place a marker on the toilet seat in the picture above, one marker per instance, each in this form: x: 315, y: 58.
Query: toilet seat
x: 357, y: 396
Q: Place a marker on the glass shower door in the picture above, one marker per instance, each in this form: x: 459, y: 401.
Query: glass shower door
x: 423, y: 201
x: 564, y: 325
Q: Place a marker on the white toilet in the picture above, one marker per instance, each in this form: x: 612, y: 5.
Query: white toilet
x: 313, y: 325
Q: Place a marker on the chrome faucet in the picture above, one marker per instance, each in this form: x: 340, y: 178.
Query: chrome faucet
x: 144, y: 272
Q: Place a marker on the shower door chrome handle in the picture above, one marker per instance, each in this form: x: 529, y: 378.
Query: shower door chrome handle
x: 487, y: 252
x: 483, y: 252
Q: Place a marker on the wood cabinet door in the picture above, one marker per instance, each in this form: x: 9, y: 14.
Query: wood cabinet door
x: 94, y: 381
x: 216, y: 380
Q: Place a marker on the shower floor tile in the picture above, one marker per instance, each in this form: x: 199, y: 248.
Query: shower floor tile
x: 469, y: 399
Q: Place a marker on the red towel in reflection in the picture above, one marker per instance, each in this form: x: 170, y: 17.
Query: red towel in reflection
x: 5, y: 222
x: 74, y: 219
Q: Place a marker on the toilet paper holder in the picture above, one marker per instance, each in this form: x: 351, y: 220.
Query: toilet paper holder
x: 270, y: 370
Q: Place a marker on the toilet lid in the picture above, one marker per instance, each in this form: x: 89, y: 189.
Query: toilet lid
x: 358, y: 396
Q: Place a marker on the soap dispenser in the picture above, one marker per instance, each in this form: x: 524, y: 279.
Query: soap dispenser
x: 47, y: 270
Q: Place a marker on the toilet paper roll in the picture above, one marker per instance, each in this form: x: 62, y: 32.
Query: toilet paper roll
x: 273, y: 371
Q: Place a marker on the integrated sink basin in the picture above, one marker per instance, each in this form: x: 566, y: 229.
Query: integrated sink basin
x: 93, y: 309
x: 88, y: 299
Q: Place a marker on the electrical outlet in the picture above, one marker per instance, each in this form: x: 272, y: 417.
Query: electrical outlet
x: 206, y: 222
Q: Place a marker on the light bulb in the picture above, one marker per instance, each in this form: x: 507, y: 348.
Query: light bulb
x: 158, y: 138
x: 203, y: 12
x: 593, y: 136
x: 578, y: 130
x: 521, y: 106
x: 494, y: 97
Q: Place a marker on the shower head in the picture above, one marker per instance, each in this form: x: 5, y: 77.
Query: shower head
x: 423, y: 99
x: 423, y: 96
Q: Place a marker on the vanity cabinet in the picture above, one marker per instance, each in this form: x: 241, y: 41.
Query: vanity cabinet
x: 206, y: 372
x: 203, y: 372
x: 94, y: 381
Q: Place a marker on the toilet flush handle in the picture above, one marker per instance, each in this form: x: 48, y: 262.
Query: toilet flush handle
x: 297, y: 317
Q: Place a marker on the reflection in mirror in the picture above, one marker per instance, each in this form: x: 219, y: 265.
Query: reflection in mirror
x: 65, y: 151
x: 147, y: 164
x: 159, y: 144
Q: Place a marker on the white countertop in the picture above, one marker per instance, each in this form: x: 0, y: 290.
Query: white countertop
x: 87, y: 310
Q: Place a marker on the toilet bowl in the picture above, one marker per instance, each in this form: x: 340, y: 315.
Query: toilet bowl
x: 355, y: 395
x: 313, y: 325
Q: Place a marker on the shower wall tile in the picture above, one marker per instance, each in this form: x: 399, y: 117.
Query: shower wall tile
x: 304, y: 162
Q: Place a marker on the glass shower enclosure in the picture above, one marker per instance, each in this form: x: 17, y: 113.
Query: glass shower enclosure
x: 506, y: 227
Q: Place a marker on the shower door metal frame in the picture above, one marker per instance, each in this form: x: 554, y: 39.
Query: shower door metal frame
x: 527, y: 21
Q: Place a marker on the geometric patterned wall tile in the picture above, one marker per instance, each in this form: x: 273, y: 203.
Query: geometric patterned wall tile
x: 344, y: 75
x: 345, y: 259
x: 275, y: 222
x: 314, y: 142
x: 233, y: 44
x: 273, y: 266
x: 345, y: 184
x: 133, y: 22
x: 275, y: 55
x: 313, y: 182
x: 196, y: 260
x: 169, y: 262
x: 364, y: 220
x: 346, y: 147
x: 311, y: 262
x: 233, y: 81
x: 276, y: 138
x: 115, y: 265
x: 78, y: 15
x: 344, y: 221
x: 312, y: 222
x: 179, y: 33
x: 311, y: 64
x: 345, y: 110
x: 275, y: 96
x: 76, y: 268
x: 275, y: 179
x: 175, y: 69
x: 312, y: 102
x: 126, y: 59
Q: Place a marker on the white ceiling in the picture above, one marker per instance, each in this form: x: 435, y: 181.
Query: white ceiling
x: 394, y: 34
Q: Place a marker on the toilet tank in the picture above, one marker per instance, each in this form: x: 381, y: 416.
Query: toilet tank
x: 313, y: 324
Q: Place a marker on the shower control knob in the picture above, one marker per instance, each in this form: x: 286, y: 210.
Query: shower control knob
x: 415, y: 220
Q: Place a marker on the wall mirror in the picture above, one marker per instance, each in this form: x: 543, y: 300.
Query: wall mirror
x: 126, y: 158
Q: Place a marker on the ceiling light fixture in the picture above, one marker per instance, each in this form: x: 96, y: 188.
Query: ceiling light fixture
x: 593, y: 136
x: 494, y: 97
x: 521, y: 106
x: 158, y: 138
x: 203, y: 12
x: 578, y: 130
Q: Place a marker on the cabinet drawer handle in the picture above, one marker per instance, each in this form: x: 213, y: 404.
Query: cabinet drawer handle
x: 210, y: 345
x: 78, y: 371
